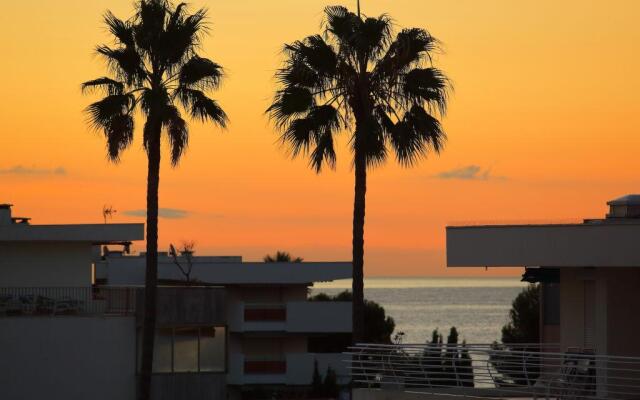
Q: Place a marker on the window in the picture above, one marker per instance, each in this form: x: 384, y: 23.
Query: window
x: 185, y: 349
x: 188, y: 349
x: 212, y: 349
x: 162, y: 351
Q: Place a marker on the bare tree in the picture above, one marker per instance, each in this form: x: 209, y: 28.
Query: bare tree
x: 186, y: 251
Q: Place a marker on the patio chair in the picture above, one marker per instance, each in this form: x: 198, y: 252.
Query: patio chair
x: 577, y: 376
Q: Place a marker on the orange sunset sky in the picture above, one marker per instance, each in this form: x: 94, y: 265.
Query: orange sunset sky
x: 544, y: 124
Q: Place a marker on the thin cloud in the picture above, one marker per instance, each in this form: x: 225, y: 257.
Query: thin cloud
x: 22, y: 170
x: 468, y: 173
x: 169, y: 213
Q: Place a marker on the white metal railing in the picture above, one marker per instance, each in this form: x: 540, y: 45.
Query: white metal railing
x: 495, y: 371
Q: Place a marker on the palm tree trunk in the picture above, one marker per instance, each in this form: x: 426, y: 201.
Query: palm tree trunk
x: 151, y: 274
x: 358, y: 246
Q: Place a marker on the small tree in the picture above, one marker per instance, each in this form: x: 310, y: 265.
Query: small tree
x: 316, y: 381
x: 330, y: 385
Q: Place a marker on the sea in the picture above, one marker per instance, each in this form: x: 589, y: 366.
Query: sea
x: 477, y: 307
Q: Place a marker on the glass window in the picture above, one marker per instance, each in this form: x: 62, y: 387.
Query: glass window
x: 185, y: 350
x: 212, y: 349
x: 162, y: 351
x: 188, y: 349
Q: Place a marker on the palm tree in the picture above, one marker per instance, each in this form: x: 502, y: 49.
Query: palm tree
x: 281, y: 256
x: 358, y: 75
x: 154, y: 66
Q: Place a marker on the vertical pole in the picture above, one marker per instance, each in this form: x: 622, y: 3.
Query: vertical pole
x: 358, y: 8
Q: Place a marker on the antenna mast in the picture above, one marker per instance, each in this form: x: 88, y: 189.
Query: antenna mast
x: 358, y: 8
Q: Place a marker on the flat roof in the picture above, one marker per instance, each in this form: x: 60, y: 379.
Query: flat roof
x: 591, y: 244
x: 129, y: 270
x: 93, y: 233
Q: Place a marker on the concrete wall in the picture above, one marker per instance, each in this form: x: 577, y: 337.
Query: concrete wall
x: 188, y: 386
x: 617, y: 305
x: 578, y: 314
x: 70, y: 358
x: 45, y: 264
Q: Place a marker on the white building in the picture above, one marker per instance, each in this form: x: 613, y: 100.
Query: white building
x: 70, y: 318
x: 589, y: 271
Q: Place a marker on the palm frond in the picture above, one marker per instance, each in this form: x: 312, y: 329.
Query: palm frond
x: 202, y: 107
x: 177, y: 133
x: 112, y: 116
x: 182, y: 37
x: 107, y: 85
x: 125, y: 62
x: 410, y: 47
x: 289, y: 103
x: 317, y: 55
x: 150, y: 24
x: 315, y: 130
x: 121, y: 30
x: 416, y: 134
x: 201, y: 73
x: 343, y: 25
x: 119, y: 135
x: 373, y: 37
x: 429, y: 85
x: 101, y: 112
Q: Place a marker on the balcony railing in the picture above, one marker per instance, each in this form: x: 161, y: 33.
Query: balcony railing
x: 291, y: 316
x: 496, y: 371
x: 48, y: 301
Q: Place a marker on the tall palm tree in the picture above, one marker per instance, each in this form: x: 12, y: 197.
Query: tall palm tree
x: 359, y: 75
x: 154, y: 67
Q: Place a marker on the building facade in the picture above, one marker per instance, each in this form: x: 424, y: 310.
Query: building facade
x: 71, y: 318
x: 589, y: 274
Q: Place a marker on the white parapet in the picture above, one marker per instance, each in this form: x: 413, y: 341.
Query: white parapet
x: 561, y: 245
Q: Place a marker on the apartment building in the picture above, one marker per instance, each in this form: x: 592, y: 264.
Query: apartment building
x: 71, y: 317
x: 589, y: 273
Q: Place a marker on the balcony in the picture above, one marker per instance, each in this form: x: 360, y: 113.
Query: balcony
x: 286, y: 369
x: 491, y: 371
x: 294, y: 317
x: 57, y: 301
x: 188, y: 305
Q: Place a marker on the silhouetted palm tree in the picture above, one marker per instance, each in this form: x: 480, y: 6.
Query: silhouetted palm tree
x: 154, y: 65
x: 358, y: 73
x: 281, y: 256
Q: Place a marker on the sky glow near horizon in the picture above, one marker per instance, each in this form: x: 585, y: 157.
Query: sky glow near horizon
x: 543, y: 125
